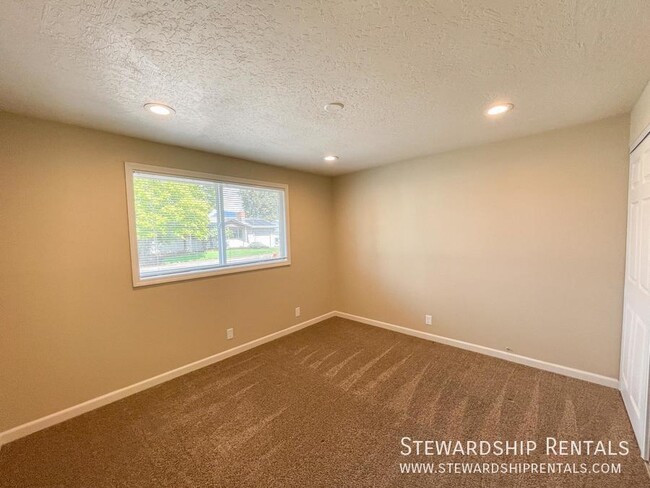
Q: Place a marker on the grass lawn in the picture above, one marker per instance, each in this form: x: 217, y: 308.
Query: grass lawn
x: 213, y: 254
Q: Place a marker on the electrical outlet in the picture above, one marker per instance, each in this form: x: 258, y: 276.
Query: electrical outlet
x: 297, y: 311
x: 230, y: 333
x: 428, y: 320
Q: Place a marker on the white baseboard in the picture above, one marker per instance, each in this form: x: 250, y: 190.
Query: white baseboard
x: 508, y: 356
x: 76, y: 410
x: 68, y: 413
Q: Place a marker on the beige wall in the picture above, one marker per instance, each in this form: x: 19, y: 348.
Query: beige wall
x: 72, y: 326
x: 640, y: 116
x: 516, y: 244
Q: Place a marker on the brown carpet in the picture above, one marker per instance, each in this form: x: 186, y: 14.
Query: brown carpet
x: 327, y: 406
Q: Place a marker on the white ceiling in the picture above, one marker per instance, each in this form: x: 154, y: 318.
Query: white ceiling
x: 250, y: 78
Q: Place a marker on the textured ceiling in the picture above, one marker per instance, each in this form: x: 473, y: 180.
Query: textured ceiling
x: 250, y: 78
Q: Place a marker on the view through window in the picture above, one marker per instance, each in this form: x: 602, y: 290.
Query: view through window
x: 185, y: 225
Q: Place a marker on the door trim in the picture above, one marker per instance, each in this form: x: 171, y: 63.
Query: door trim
x: 637, y: 142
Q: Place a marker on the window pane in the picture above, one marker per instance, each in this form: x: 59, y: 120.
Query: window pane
x: 253, y: 223
x: 175, y: 224
x: 186, y: 225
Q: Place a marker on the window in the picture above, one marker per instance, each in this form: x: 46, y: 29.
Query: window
x: 186, y: 225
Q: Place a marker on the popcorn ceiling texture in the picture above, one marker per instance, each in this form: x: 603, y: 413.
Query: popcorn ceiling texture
x: 250, y: 78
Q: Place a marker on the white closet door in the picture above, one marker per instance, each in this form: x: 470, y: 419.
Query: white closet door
x: 635, y: 346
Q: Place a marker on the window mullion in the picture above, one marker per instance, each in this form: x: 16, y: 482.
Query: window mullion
x: 221, y: 225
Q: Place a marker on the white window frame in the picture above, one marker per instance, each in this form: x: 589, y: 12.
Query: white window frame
x: 130, y: 168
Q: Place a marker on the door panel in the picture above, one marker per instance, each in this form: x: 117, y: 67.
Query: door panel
x: 635, y: 346
x: 644, y: 247
x: 632, y: 242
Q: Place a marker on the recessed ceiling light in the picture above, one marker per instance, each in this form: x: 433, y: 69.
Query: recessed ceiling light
x: 500, y: 109
x: 159, y: 109
x: 334, y: 107
x: 331, y: 158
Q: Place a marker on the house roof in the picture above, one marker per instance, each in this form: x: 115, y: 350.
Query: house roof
x: 253, y: 223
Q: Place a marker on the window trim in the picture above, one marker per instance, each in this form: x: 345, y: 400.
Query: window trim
x: 130, y: 168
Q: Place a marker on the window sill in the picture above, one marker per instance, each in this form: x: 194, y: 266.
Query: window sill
x: 193, y: 275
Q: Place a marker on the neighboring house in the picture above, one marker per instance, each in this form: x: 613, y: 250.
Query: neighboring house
x: 243, y: 232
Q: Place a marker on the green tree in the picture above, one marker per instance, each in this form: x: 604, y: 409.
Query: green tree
x: 260, y: 204
x: 171, y: 209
